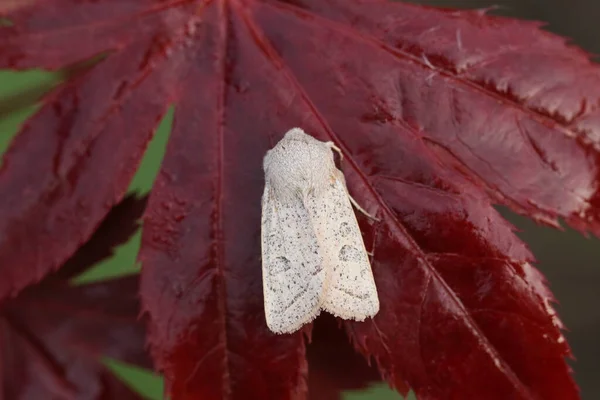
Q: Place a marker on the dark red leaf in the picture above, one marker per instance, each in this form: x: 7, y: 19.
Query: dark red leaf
x: 53, y: 193
x: 52, y: 334
x: 439, y: 113
x: 51, y: 341
x: 201, y: 277
x: 510, y: 106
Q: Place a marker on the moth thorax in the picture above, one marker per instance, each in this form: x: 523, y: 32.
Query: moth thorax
x: 299, y: 167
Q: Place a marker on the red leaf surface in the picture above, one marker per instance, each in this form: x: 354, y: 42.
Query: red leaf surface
x: 52, y: 334
x: 439, y: 113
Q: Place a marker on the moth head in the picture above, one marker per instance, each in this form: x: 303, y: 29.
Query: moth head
x: 297, y: 134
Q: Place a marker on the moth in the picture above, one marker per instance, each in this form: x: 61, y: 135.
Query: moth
x: 313, y: 255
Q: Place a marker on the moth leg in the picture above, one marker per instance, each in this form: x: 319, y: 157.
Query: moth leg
x: 362, y: 210
x: 332, y: 146
x: 340, y: 176
x: 337, y: 149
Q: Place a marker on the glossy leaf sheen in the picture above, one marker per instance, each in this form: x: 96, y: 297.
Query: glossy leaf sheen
x: 439, y: 113
x: 52, y: 334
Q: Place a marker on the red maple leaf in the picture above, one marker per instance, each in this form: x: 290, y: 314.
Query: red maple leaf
x: 439, y: 114
x: 52, y: 333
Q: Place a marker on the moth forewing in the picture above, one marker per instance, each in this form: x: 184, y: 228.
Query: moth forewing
x: 351, y: 291
x: 293, y: 276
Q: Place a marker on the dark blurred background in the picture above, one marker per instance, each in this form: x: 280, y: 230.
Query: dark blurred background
x: 570, y: 261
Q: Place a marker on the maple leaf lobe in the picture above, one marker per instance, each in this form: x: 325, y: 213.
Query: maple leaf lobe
x: 53, y: 334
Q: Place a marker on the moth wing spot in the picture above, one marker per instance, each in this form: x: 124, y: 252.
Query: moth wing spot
x: 345, y: 229
x: 349, y: 253
x: 279, y: 265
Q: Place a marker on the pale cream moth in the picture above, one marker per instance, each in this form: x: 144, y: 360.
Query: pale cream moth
x: 313, y: 255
